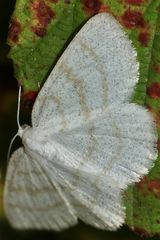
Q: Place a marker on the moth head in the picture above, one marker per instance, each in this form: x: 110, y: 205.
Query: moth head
x: 22, y: 130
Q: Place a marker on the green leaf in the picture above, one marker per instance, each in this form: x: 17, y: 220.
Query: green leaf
x: 143, y: 200
x: 40, y: 39
x: 40, y: 31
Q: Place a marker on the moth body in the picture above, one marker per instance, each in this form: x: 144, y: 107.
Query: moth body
x: 73, y: 165
x: 37, y: 144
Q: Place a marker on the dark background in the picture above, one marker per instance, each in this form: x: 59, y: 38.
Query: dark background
x: 8, y: 127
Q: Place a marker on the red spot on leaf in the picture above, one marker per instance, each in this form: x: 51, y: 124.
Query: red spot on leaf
x: 134, y: 2
x: 91, y: 6
x: 132, y: 19
x: 44, y: 14
x: 104, y: 8
x: 158, y: 145
x: 142, y: 184
x: 153, y: 90
x: 154, y: 187
x: 30, y: 95
x: 157, y: 118
x: 143, y: 38
x: 141, y: 232
x: 39, y: 31
x: 157, y: 68
x: 28, y: 99
x: 14, y: 30
x: 67, y: 1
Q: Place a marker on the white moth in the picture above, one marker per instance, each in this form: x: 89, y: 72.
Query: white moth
x: 87, y: 142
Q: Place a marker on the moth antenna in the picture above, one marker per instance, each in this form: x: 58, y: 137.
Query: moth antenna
x: 10, y: 146
x: 18, y: 107
x: 18, y: 123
